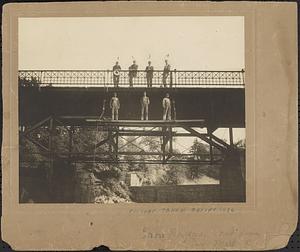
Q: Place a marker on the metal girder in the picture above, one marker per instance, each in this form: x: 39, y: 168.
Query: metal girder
x: 139, y: 161
x: 231, y: 136
x: 104, y: 141
x: 220, y: 141
x: 205, y: 139
x: 37, y: 125
x: 149, y: 153
x: 44, y: 148
x: 154, y: 134
x: 94, y: 120
x: 114, y: 150
x: 150, y: 123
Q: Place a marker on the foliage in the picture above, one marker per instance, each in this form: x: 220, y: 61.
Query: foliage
x: 32, y: 82
x: 107, y: 184
x: 199, y: 150
x: 241, y: 144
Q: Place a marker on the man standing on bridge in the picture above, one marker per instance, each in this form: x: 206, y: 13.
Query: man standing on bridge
x: 166, y: 73
x: 166, y: 103
x: 145, y: 101
x: 115, y: 106
x: 132, y: 72
x: 149, y: 74
x: 116, y: 74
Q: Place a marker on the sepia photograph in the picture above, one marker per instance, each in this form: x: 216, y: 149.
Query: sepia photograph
x: 132, y: 109
x: 149, y: 125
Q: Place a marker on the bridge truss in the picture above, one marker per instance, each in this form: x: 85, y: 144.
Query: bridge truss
x: 109, y: 149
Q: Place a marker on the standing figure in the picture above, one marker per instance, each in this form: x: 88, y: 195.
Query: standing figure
x: 116, y: 74
x: 132, y: 72
x: 115, y: 106
x: 166, y: 103
x: 145, y: 101
x: 149, y: 74
x: 166, y: 72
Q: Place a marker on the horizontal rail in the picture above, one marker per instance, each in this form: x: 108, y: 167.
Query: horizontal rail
x: 142, y: 161
x: 124, y: 78
x: 136, y: 123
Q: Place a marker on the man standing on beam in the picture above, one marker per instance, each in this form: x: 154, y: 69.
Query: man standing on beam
x: 166, y: 103
x: 145, y: 101
x: 115, y: 106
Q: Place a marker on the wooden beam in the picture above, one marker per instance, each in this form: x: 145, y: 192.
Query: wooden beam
x: 142, y: 161
x: 220, y: 141
x: 134, y: 123
x: 204, y: 138
x: 231, y: 136
x: 153, y: 133
x: 37, y: 125
x: 44, y: 148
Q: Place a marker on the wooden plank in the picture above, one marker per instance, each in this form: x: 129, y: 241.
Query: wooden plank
x: 134, y: 123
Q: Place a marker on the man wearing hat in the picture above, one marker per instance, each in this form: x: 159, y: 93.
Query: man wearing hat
x: 132, y: 72
x: 166, y: 72
x: 116, y: 74
x: 149, y: 74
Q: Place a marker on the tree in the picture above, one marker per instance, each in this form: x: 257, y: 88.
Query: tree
x: 241, y: 144
x: 199, y: 150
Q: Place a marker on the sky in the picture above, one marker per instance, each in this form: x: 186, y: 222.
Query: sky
x: 95, y: 43
x: 192, y: 43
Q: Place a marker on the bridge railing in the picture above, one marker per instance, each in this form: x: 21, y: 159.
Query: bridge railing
x: 107, y: 78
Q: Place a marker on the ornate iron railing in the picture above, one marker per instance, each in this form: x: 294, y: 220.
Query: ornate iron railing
x: 107, y: 78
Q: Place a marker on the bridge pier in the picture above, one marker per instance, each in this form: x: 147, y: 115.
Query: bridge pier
x: 232, y: 182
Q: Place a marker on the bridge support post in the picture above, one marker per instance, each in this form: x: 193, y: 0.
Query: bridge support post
x: 70, y: 147
x: 232, y: 182
x: 211, y: 154
x: 170, y: 142
x: 231, y: 136
x: 163, y: 147
x: 109, y: 139
x: 116, y: 147
x: 113, y: 142
x: 51, y: 155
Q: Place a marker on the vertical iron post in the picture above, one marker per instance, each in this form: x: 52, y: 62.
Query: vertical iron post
x: 70, y: 131
x: 211, y: 154
x: 170, y: 141
x: 51, y: 161
x: 231, y: 136
x: 117, y: 142
x: 109, y: 140
x: 163, y: 148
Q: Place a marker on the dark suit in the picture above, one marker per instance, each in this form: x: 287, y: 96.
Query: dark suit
x: 149, y: 75
x: 166, y: 72
x: 116, y: 77
x: 132, y: 73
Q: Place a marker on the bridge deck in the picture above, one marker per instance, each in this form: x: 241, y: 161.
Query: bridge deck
x: 93, y: 120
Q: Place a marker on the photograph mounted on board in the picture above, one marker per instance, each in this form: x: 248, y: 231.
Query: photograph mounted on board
x: 132, y: 109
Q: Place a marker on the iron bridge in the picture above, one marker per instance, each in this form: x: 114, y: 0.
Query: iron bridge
x: 80, y: 98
